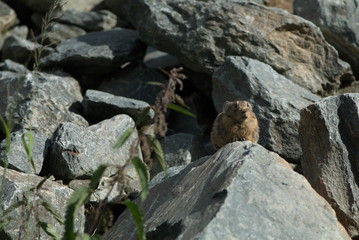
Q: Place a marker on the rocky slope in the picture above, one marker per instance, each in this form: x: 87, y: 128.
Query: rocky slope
x: 104, y: 62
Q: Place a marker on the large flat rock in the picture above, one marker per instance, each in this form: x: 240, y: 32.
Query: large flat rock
x: 40, y: 102
x: 242, y: 192
x: 18, y: 187
x: 202, y: 33
x: 338, y: 21
x: 96, y: 52
x: 329, y: 137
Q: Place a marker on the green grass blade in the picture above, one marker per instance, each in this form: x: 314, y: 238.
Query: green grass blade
x: 139, y: 218
x: 7, y: 133
x: 13, y: 207
x: 156, y: 84
x: 51, y: 209
x: 143, y: 116
x: 50, y: 230
x: 141, y: 170
x: 157, y: 148
x: 77, y: 199
x: 4, y: 222
x: 123, y: 138
x: 28, y: 143
x: 180, y: 109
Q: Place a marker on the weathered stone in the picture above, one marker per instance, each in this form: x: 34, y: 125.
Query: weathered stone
x: 18, y: 31
x: 202, y: 33
x: 8, y: 17
x: 338, y: 21
x: 100, y: 105
x: 45, y: 5
x: 134, y: 82
x: 178, y: 149
x: 8, y: 82
x: 90, y: 21
x: 77, y: 151
x: 17, y: 158
x: 18, y: 187
x: 116, y: 6
x: 97, y: 52
x: 157, y: 59
x: 276, y: 101
x: 283, y: 4
x: 242, y: 192
x: 11, y: 66
x: 41, y: 102
x: 329, y: 137
x: 21, y: 50
x: 60, y: 32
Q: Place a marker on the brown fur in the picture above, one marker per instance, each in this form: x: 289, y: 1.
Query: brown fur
x: 237, y: 122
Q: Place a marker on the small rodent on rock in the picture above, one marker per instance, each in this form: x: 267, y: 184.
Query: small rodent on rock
x: 236, y: 122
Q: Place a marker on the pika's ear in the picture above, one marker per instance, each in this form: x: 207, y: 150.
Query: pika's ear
x: 225, y: 105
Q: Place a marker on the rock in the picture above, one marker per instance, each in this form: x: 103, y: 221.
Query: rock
x: 18, y: 31
x: 283, y: 4
x: 17, y: 157
x: 101, y: 105
x: 241, y: 192
x: 158, y: 59
x: 353, y: 88
x: 90, y: 21
x: 8, y: 82
x: 338, y: 21
x: 76, y: 152
x: 40, y: 102
x: 60, y: 32
x: 276, y: 101
x: 179, y: 149
x: 8, y: 17
x: 329, y: 137
x: 45, y: 5
x: 162, y: 176
x: 96, y: 52
x: 21, y: 50
x: 21, y: 187
x: 134, y: 82
x: 11, y: 66
x: 202, y: 33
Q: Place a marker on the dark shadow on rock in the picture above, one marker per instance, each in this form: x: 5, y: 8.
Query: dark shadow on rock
x: 166, y: 231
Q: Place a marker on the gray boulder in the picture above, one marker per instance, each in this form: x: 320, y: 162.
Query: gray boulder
x: 76, y: 152
x: 40, y: 102
x: 242, y: 192
x: 58, y: 33
x: 179, y: 149
x: 276, y: 101
x: 8, y: 82
x: 11, y: 66
x: 45, y: 5
x: 100, y: 105
x: 8, y: 17
x: 329, y: 137
x: 157, y: 59
x: 96, y: 52
x: 21, y: 50
x: 26, y: 219
x: 202, y: 33
x: 134, y: 82
x: 17, y: 158
x: 90, y: 21
x: 338, y: 21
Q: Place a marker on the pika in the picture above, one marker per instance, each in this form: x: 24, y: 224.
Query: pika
x: 236, y: 122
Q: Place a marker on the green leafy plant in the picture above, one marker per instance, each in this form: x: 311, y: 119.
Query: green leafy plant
x: 79, y: 198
